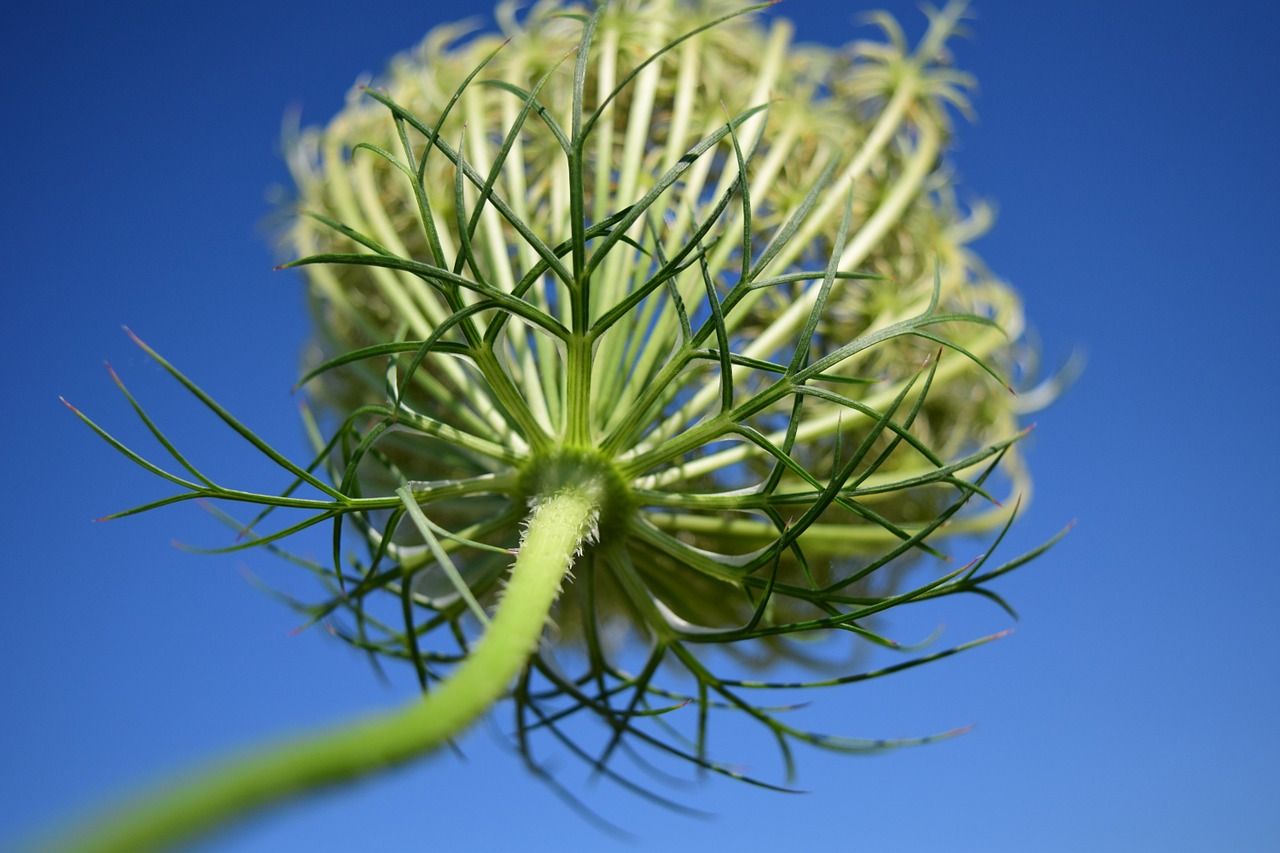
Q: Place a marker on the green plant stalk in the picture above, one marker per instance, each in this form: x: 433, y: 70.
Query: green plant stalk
x: 557, y: 528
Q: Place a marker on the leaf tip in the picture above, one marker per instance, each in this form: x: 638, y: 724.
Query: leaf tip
x: 134, y: 337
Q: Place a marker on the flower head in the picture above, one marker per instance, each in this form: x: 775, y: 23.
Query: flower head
x: 707, y: 288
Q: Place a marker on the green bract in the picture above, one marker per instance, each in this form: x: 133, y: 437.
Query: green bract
x: 674, y: 312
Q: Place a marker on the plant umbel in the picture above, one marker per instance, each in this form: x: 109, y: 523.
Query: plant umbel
x: 644, y: 323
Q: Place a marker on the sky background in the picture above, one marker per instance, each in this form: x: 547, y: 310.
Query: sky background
x: 1137, y: 706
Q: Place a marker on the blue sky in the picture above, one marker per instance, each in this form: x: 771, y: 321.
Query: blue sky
x: 1135, y: 707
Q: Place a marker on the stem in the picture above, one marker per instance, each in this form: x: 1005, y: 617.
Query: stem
x: 179, y: 812
x: 577, y: 410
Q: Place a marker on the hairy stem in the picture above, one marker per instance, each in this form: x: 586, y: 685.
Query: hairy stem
x: 182, y: 810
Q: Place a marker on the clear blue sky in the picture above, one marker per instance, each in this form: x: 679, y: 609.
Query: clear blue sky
x: 1131, y: 149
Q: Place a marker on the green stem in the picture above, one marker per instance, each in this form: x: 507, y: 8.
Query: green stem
x: 577, y: 429
x: 179, y: 812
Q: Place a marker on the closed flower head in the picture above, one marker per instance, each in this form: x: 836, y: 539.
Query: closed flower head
x: 642, y: 333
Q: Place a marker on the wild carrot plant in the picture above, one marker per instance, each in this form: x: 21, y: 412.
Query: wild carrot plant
x: 640, y: 333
